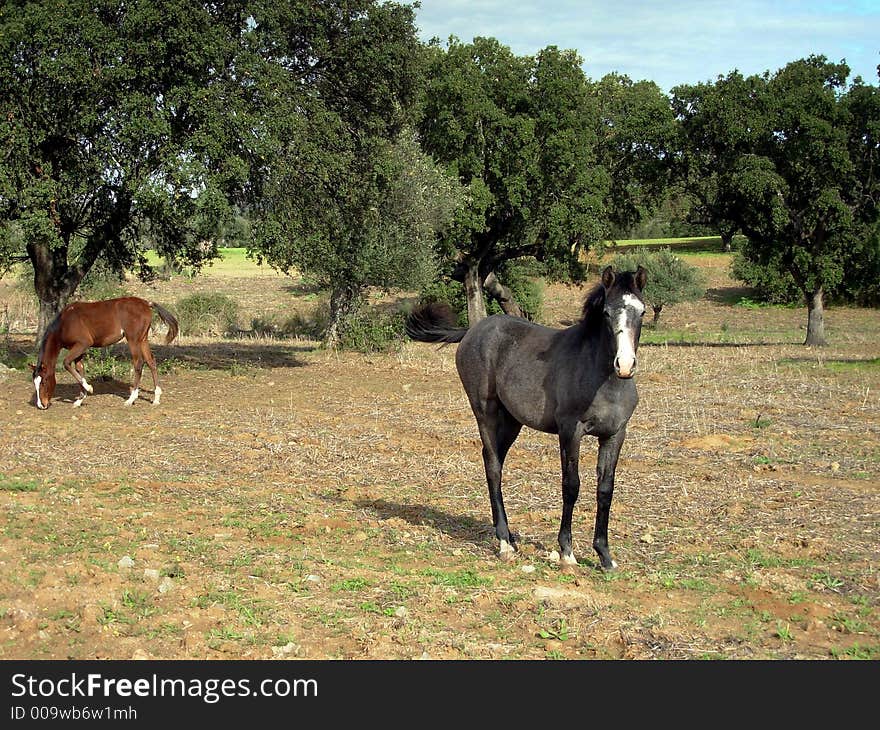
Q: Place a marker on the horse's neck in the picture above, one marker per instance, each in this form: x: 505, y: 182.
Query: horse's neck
x: 597, y: 347
x: 50, y: 348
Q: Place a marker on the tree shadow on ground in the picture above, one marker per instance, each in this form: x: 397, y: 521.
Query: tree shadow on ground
x: 229, y: 355
x: 730, y: 294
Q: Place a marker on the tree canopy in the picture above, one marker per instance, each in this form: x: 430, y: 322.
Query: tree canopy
x: 797, y: 154
x: 519, y: 134
x: 117, y: 125
x: 347, y: 199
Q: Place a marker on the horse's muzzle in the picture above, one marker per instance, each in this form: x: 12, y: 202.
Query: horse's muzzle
x: 625, y: 367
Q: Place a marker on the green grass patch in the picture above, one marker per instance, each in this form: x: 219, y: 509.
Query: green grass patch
x: 15, y: 484
x: 350, y: 584
x: 856, y: 651
x: 457, y: 579
x: 695, y: 244
x: 232, y: 262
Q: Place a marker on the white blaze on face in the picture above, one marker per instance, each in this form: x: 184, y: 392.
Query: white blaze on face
x: 37, y: 381
x: 625, y: 362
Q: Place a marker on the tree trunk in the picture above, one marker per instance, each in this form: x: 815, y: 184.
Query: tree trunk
x: 815, y: 319
x: 503, y: 296
x: 473, y: 287
x: 51, y: 283
x: 344, y: 302
x: 727, y: 241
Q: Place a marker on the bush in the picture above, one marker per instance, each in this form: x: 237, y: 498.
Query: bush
x: 670, y: 279
x: 373, y: 330
x: 296, y: 325
x: 207, y: 314
x: 771, y: 283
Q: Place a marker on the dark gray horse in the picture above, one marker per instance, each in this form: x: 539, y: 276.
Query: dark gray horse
x: 573, y: 382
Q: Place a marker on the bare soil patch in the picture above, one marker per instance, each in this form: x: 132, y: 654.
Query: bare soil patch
x: 288, y: 502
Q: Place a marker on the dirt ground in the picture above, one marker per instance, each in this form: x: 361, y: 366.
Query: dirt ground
x: 287, y: 502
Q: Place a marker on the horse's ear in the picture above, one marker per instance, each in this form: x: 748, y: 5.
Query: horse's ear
x: 641, y: 277
x: 608, y: 277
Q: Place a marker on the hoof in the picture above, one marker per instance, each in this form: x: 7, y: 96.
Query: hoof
x: 609, y: 568
x: 507, y: 552
x: 77, y: 403
x: 87, y: 388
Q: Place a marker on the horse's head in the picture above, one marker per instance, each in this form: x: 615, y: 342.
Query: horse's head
x: 44, y: 384
x: 623, y: 311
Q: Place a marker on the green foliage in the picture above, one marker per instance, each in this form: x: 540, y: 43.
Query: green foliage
x: 671, y: 280
x: 519, y: 134
x: 772, y: 283
x: 207, y: 314
x: 450, y: 292
x: 793, y: 155
x: 119, y: 124
x: 519, y: 277
x: 373, y: 330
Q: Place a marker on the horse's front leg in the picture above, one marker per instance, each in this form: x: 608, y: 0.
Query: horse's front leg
x: 81, y: 369
x: 569, y: 451
x: 606, y: 465
x: 74, y: 365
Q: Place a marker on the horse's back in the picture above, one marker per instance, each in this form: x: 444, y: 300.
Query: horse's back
x: 104, y: 322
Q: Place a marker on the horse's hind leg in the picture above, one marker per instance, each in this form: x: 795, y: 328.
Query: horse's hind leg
x: 154, y: 371
x: 137, y: 366
x: 498, y: 431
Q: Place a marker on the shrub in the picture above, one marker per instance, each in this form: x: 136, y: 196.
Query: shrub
x: 771, y: 283
x: 670, y: 279
x: 207, y: 314
x: 295, y: 325
x: 373, y: 330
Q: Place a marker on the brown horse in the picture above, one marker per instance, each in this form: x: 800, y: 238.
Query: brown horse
x: 82, y: 325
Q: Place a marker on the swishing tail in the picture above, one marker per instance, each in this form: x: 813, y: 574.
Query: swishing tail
x: 433, y: 322
x: 169, y: 319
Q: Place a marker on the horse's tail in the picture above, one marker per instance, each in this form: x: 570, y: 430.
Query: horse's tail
x: 433, y: 322
x: 169, y: 319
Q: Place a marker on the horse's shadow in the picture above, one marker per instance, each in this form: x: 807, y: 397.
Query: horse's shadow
x: 102, y: 385
x: 461, y: 528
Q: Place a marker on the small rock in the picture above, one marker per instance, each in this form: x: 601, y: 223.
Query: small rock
x: 141, y: 655
x: 286, y: 650
x: 647, y: 537
x: 528, y: 569
x: 553, y: 556
x: 165, y: 585
x: 151, y: 574
x: 125, y: 562
x: 312, y: 578
x: 401, y: 612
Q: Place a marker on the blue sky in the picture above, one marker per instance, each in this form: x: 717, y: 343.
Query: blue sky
x: 686, y: 41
